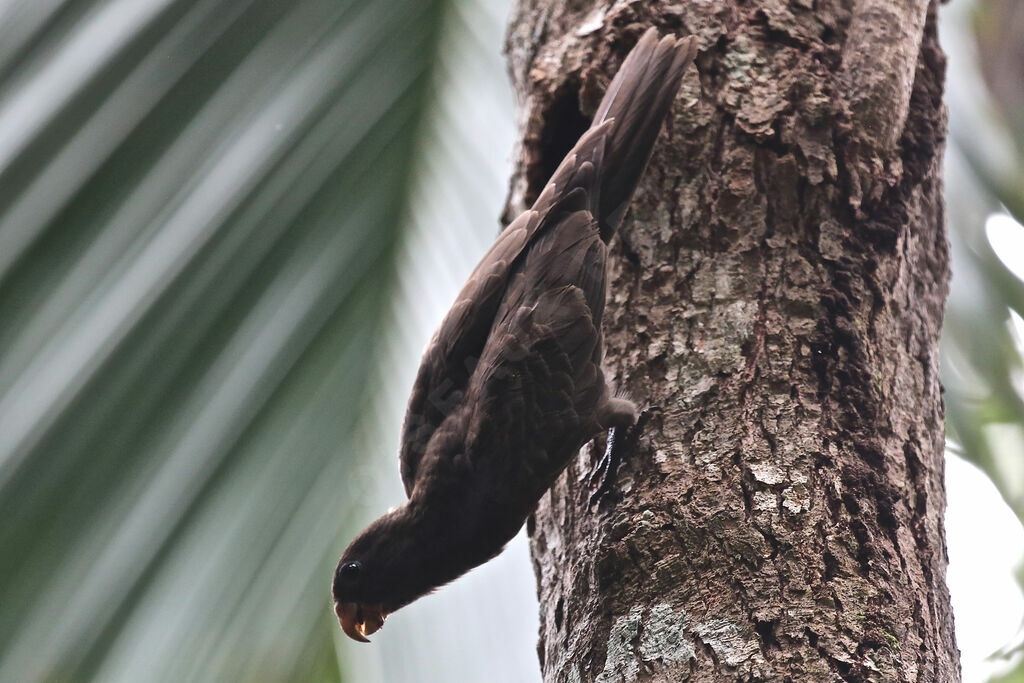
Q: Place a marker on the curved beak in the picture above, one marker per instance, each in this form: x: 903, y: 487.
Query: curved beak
x: 359, y: 621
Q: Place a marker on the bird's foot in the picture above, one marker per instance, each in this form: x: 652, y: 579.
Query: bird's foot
x: 621, y: 442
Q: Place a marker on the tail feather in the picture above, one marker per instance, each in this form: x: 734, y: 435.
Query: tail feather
x: 638, y: 99
x: 610, y: 157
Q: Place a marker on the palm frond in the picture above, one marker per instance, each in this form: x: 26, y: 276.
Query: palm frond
x: 200, y: 207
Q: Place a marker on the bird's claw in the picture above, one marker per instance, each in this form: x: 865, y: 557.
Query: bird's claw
x: 618, y: 444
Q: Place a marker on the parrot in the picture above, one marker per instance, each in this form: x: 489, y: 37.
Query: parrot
x: 511, y: 385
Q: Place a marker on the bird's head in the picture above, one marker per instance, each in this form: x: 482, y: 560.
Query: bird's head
x: 364, y: 580
x: 358, y: 617
x: 379, y: 572
x: 402, y: 556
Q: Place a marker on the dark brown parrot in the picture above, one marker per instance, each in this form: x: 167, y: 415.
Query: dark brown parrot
x: 510, y: 386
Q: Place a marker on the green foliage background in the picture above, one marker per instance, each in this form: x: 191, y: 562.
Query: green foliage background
x: 226, y: 229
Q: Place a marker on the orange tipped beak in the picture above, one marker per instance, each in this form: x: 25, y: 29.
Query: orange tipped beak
x: 359, y: 621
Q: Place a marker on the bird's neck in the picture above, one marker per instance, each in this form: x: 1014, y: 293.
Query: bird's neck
x: 440, y: 542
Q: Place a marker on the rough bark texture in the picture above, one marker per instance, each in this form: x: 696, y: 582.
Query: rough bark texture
x: 778, y: 291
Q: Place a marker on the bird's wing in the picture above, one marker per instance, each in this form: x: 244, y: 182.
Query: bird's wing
x: 539, y: 378
x: 456, y: 347
x: 535, y: 395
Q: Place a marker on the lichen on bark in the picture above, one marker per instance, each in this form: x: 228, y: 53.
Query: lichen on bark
x: 777, y: 290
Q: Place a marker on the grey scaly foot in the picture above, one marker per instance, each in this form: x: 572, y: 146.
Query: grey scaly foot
x: 622, y: 441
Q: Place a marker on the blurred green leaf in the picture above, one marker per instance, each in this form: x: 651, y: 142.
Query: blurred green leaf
x: 981, y: 353
x: 1014, y: 676
x: 200, y: 203
x: 982, y: 346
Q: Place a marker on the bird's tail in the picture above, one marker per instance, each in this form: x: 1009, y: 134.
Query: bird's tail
x: 620, y: 140
x: 638, y: 100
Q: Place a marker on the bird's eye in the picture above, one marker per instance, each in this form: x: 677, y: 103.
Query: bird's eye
x: 350, y: 571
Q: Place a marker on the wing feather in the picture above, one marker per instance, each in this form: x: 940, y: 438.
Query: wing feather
x: 535, y: 393
x: 549, y: 237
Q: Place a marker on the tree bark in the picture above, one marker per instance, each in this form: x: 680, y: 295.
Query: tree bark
x: 777, y: 291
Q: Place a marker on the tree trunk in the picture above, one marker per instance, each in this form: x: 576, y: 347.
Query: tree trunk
x: 778, y: 291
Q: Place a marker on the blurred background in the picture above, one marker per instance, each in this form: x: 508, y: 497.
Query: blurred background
x: 227, y: 230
